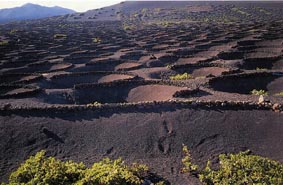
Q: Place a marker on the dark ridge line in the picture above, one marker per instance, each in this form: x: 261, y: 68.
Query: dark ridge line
x: 135, y: 81
x: 143, y: 106
x: 92, y: 72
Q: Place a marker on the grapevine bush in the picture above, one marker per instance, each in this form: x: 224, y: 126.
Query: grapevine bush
x: 42, y: 170
x: 240, y: 169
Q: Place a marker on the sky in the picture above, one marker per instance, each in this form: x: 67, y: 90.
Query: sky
x: 77, y: 5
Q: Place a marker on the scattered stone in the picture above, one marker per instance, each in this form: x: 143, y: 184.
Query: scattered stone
x: 261, y: 99
x: 7, y: 106
x: 223, y: 104
x: 276, y: 107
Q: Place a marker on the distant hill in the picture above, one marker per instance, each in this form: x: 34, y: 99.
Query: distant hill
x: 166, y: 12
x: 31, y: 11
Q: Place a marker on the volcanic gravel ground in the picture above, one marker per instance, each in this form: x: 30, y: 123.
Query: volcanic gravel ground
x: 99, y: 84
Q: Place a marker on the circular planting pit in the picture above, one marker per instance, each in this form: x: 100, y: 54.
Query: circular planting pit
x: 272, y: 83
x: 278, y: 65
x: 160, y: 47
x: 200, y: 71
x: 78, y: 59
x: 56, y: 96
x: 107, y: 64
x: 247, y: 48
x: 134, y: 55
x: 64, y: 81
x: 17, y: 91
x: 19, y: 78
x: 153, y: 73
x: 114, y: 77
x: 248, y: 42
x: 208, y: 71
x: 261, y: 60
x: 126, y: 66
x: 152, y: 93
x: 13, y: 64
x: 41, y: 67
x: 192, y: 60
x: 231, y: 55
x: 205, y: 46
x: 49, y: 67
x: 124, y: 91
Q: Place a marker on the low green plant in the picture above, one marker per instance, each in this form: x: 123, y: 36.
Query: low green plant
x: 259, y: 92
x: 184, y: 76
x: 238, y: 10
x: 127, y: 27
x: 96, y: 40
x: 200, y: 77
x: 260, y: 69
x: 4, y: 43
x: 116, y: 172
x: 59, y: 36
x: 94, y: 104
x: 241, y: 169
x: 279, y: 94
x: 168, y: 66
x: 42, y: 170
x: 264, y: 11
x: 189, y: 167
x: 13, y: 31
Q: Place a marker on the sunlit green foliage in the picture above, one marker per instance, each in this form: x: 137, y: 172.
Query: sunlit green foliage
x: 59, y: 36
x: 279, y: 94
x: 259, y: 92
x: 96, y: 40
x: 240, y: 169
x: 184, y: 76
x: 127, y: 27
x: 243, y: 169
x: 264, y: 11
x: 4, y: 43
x: 116, y: 172
x: 189, y: 167
x: 238, y: 10
x: 13, y: 31
x: 94, y: 104
x: 42, y: 170
x: 260, y: 69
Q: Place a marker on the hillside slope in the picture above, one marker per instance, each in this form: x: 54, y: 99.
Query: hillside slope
x: 31, y: 11
x: 153, y: 137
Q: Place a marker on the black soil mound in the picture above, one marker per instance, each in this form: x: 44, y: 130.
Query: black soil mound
x: 244, y: 84
x: 99, y: 84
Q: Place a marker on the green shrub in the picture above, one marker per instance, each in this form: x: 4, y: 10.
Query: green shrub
x: 128, y: 27
x: 168, y: 66
x: 60, y: 36
x: 279, y: 94
x: 109, y: 172
x: 184, y: 76
x: 96, y: 40
x: 4, y: 43
x: 13, y: 31
x: 259, y: 92
x: 239, y: 169
x: 238, y: 10
x: 94, y: 104
x: 189, y: 167
x: 42, y: 170
x: 261, y: 69
x: 243, y: 169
